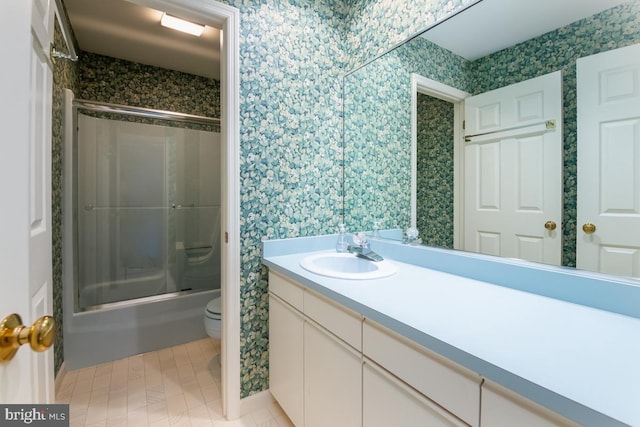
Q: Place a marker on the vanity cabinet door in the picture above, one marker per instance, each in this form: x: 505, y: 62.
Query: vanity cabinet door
x: 454, y: 388
x: 332, y: 380
x: 388, y: 401
x: 503, y: 408
x: 286, y: 328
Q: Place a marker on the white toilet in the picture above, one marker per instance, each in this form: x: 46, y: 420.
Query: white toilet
x: 213, y: 319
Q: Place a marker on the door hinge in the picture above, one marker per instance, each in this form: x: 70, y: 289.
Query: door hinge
x: 226, y: 237
x: 464, y: 124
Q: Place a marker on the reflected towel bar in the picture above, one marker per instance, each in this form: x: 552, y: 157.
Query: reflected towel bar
x: 539, y: 127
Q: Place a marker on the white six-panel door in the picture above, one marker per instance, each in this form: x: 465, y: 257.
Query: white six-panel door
x: 513, y: 171
x: 609, y: 162
x: 26, y: 28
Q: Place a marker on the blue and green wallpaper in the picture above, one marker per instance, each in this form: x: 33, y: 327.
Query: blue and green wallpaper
x: 434, y: 180
x: 377, y: 131
x: 293, y: 55
x: 65, y: 75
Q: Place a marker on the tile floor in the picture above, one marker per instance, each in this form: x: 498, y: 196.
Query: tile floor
x: 177, y: 386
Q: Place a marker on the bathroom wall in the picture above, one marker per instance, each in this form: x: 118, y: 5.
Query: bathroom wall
x: 292, y: 58
x: 435, y: 171
x: 118, y: 81
x: 378, y: 131
x: 291, y: 62
x: 65, y: 75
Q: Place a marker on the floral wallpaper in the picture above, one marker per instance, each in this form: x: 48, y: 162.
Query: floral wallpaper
x: 293, y: 54
x: 65, y: 75
x: 435, y: 171
x: 383, y: 87
x: 291, y: 62
x: 377, y: 131
x: 117, y: 81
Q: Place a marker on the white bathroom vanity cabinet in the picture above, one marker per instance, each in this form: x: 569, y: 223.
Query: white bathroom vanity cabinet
x: 331, y: 366
x: 449, y: 339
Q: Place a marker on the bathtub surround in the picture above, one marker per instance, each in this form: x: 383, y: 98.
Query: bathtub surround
x: 104, y: 79
x: 156, y: 263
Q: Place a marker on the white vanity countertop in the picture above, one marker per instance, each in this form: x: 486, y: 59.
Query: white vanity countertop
x: 579, y: 361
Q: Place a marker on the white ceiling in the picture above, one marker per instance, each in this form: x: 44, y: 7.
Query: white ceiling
x: 493, y: 25
x: 125, y: 30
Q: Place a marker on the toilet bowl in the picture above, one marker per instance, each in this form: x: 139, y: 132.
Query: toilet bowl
x: 213, y: 319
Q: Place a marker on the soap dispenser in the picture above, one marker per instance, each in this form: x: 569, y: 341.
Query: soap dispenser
x: 342, y: 245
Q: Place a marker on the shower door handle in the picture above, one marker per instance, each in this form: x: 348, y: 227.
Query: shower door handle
x: 174, y: 206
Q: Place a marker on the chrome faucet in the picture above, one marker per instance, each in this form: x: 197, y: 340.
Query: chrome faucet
x: 361, y: 248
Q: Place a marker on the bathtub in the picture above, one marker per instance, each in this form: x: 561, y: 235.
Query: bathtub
x: 118, y: 330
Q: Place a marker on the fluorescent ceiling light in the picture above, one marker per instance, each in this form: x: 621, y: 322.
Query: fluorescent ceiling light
x: 181, y: 25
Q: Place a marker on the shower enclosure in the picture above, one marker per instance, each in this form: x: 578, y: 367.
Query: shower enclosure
x: 148, y: 209
x: 144, y: 194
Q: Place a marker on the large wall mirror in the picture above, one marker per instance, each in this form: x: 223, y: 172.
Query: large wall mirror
x: 403, y: 164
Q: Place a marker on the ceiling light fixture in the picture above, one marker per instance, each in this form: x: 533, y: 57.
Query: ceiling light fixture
x: 181, y: 25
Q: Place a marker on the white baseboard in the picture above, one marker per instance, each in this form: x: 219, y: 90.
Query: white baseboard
x: 255, y: 402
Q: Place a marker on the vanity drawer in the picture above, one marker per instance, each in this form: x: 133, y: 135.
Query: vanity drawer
x: 287, y: 290
x: 504, y: 408
x: 343, y: 323
x: 453, y: 387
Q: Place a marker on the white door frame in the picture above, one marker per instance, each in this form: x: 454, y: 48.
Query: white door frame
x: 426, y: 86
x: 227, y: 18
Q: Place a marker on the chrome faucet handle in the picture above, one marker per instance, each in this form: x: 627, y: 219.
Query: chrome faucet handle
x: 360, y: 239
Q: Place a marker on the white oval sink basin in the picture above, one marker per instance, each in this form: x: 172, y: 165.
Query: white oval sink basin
x: 347, y: 266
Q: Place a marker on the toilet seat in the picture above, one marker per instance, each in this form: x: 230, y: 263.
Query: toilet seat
x: 213, y: 309
x: 213, y: 318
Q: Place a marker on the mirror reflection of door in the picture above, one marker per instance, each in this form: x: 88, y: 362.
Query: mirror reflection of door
x: 513, y: 171
x: 608, y: 162
x: 437, y: 116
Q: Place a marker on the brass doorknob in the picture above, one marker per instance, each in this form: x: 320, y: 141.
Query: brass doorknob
x: 13, y: 334
x: 550, y: 225
x: 588, y: 228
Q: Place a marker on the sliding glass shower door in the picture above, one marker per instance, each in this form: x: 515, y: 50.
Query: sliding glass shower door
x: 148, y: 210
